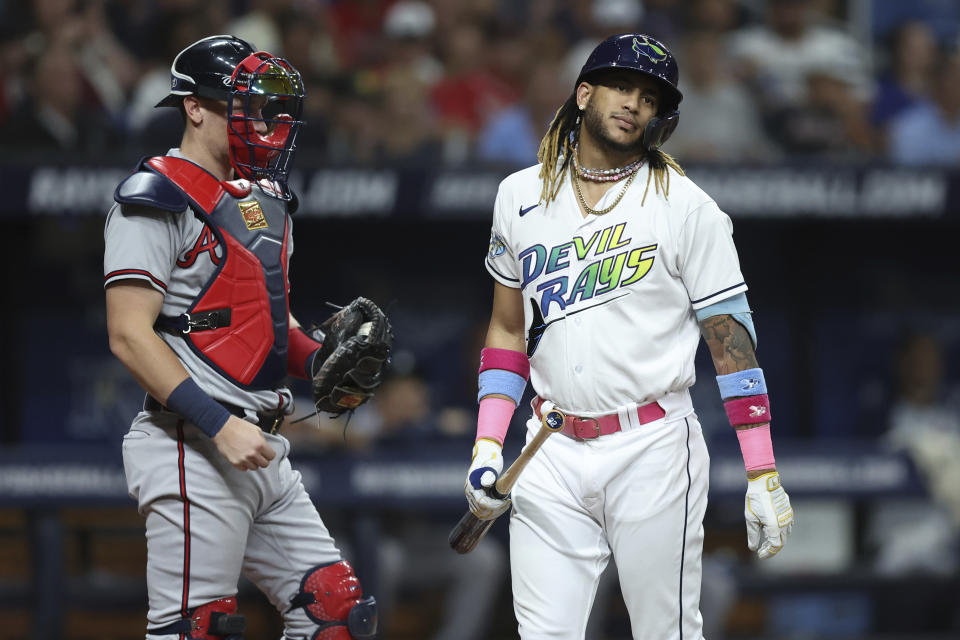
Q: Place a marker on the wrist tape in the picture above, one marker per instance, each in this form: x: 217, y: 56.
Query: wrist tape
x: 192, y: 403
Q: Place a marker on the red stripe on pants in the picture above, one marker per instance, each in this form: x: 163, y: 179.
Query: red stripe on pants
x: 186, y: 522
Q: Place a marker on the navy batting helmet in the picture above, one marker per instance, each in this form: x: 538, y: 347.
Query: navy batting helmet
x: 641, y: 53
x: 205, y: 68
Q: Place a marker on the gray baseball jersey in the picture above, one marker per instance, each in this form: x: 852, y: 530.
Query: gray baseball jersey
x: 177, y: 254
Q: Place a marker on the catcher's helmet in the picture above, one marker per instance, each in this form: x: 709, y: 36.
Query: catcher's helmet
x: 205, y: 68
x: 641, y: 53
x: 264, y: 96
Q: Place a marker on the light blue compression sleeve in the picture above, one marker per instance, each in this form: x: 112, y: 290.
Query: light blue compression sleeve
x: 736, y: 307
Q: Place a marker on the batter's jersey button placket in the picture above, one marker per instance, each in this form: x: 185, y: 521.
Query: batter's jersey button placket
x: 578, y: 368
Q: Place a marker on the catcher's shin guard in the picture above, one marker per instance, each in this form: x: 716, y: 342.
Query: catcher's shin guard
x: 332, y: 598
x: 217, y: 620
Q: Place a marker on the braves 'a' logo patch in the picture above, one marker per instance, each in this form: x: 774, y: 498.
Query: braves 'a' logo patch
x: 646, y: 48
x: 206, y: 243
x: 253, y: 215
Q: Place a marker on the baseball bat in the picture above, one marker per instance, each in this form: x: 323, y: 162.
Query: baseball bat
x: 470, y: 530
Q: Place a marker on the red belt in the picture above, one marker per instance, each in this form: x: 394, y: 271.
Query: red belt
x: 580, y: 428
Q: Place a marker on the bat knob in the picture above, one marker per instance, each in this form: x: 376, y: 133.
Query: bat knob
x: 553, y: 419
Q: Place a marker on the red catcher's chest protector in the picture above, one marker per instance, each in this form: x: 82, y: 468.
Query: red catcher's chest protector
x: 238, y: 323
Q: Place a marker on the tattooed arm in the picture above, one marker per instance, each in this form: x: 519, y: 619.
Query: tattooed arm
x: 729, y: 343
x: 732, y: 350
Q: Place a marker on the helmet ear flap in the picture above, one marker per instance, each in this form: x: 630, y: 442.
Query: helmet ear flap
x: 658, y: 130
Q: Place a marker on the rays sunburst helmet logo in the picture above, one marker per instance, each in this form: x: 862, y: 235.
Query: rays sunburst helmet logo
x: 252, y: 215
x: 646, y: 48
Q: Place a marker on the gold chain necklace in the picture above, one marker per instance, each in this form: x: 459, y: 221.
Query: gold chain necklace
x: 576, y: 185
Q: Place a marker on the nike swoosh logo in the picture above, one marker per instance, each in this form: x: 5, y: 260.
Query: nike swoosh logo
x: 524, y: 212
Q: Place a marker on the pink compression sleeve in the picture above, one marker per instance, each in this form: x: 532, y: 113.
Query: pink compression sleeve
x: 756, y: 447
x: 493, y: 418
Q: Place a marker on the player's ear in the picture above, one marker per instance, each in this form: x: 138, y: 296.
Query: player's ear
x: 583, y: 92
x: 192, y: 110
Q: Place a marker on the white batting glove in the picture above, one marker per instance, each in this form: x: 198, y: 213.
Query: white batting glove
x: 769, y: 515
x: 484, y: 470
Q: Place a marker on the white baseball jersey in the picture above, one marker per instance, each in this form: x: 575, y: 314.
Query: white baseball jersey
x: 609, y: 306
x: 177, y: 255
x: 616, y: 292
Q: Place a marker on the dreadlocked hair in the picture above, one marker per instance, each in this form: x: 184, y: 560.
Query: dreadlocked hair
x: 660, y: 164
x: 557, y: 144
x: 557, y: 147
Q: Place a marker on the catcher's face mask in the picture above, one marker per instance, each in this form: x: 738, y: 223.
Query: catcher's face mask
x: 264, y: 119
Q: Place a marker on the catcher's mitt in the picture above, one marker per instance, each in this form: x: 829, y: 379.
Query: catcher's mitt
x: 349, y: 366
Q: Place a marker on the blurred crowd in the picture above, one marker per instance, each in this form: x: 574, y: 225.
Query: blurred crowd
x: 426, y: 81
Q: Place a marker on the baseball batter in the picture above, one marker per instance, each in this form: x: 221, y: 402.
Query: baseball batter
x: 197, y: 248
x: 609, y: 265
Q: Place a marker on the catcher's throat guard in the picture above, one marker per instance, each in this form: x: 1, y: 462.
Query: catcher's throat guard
x: 332, y: 598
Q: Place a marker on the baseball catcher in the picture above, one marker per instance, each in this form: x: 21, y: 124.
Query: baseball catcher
x: 196, y: 274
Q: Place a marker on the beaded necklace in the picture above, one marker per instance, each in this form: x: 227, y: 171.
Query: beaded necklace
x: 604, y: 175
x: 576, y: 185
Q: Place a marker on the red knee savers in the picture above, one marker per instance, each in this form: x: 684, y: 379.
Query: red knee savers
x: 333, y: 598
